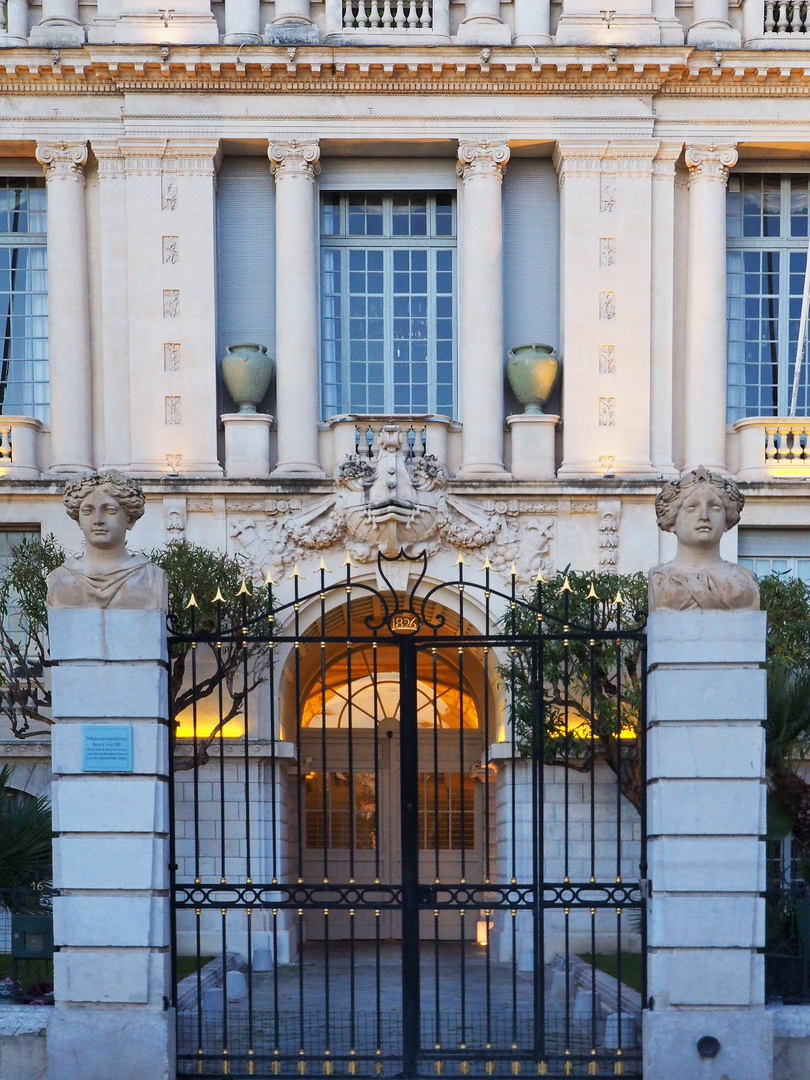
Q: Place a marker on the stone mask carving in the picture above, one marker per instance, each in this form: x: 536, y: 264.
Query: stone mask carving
x: 106, y: 505
x: 699, y: 508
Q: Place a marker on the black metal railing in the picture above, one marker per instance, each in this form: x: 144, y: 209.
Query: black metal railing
x: 26, y: 942
x: 787, y: 941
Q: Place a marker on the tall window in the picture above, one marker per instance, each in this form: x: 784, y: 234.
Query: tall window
x: 388, y: 303
x: 23, y: 299
x: 767, y: 222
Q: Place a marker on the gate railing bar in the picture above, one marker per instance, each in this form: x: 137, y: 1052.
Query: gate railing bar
x: 409, y: 811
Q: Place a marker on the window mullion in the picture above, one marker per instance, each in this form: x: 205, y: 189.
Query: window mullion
x: 388, y: 329
x: 345, y: 341
x: 783, y: 332
x: 431, y: 331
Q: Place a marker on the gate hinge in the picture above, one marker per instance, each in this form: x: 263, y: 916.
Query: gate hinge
x: 645, y: 888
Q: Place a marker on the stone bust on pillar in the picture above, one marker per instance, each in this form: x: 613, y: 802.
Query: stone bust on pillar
x: 106, y: 505
x: 699, y: 508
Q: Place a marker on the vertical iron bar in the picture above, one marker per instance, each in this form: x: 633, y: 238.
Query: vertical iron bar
x: 409, y: 843
x: 171, y: 735
x: 642, y: 723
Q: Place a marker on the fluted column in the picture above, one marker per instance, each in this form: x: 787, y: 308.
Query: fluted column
x: 68, y: 307
x: 481, y: 166
x: 706, y: 338
x: 295, y: 167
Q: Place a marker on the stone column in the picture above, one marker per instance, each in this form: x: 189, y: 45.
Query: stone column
x: 481, y: 365
x: 482, y: 24
x: 242, y: 22
x: 112, y: 284
x: 295, y: 167
x: 68, y: 307
x: 706, y: 338
x: 532, y: 22
x: 710, y: 27
x: 111, y: 849
x: 706, y: 807
x: 60, y: 26
x: 662, y: 273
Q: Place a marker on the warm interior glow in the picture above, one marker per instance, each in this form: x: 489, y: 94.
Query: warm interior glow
x: 370, y: 703
x: 207, y: 720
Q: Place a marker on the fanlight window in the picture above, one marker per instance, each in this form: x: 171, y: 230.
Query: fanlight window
x: 369, y: 700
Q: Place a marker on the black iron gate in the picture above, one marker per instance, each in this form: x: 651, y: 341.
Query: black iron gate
x: 408, y: 829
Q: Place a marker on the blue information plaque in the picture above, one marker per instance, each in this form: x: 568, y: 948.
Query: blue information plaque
x: 107, y: 748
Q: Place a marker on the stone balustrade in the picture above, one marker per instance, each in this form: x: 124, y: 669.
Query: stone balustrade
x: 786, y: 17
x: 436, y: 435
x: 764, y: 447
x: 387, y: 15
x: 19, y: 444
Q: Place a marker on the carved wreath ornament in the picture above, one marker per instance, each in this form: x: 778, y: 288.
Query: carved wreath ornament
x: 390, y: 503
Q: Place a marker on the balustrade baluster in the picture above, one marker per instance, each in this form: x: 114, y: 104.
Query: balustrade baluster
x: 769, y: 20
x: 348, y: 15
x: 374, y: 17
x: 399, y: 18
x: 388, y: 18
x: 795, y: 16
x: 770, y: 445
x: 362, y: 15
x: 5, y: 444
x: 782, y: 21
x: 425, y: 19
x: 413, y: 15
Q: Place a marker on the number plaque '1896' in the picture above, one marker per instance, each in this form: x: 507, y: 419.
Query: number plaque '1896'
x: 404, y: 622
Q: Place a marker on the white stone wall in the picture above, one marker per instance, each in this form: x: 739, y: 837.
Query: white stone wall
x: 559, y: 837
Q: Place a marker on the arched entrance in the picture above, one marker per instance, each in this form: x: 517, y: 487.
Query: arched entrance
x: 349, y: 734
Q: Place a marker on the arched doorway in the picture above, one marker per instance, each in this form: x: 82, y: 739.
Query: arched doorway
x: 347, y: 701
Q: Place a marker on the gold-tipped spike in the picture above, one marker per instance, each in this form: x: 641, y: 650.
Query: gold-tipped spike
x: 192, y: 602
x: 619, y: 598
x: 243, y: 589
x: 460, y: 560
x: 269, y: 579
x: 295, y: 571
x: 219, y: 598
x: 540, y: 580
x: 566, y: 586
x: 592, y: 593
x: 348, y: 560
x: 323, y: 568
x: 487, y: 564
x: 513, y: 571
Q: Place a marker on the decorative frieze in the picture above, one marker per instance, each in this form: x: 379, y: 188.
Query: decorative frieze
x: 170, y: 250
x: 174, y: 461
x: 607, y: 359
x: 295, y: 158
x: 171, y: 356
x: 609, y: 539
x: 607, y: 251
x: 710, y: 162
x: 168, y: 192
x: 171, y: 303
x: 482, y: 158
x: 172, y: 411
x: 607, y: 304
x: 62, y: 160
x: 607, y: 411
x: 607, y: 194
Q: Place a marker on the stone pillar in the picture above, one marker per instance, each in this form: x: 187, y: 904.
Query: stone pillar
x: 111, y: 849
x: 247, y: 443
x: 711, y: 28
x: 295, y: 167
x: 68, y: 307
x: 60, y: 26
x: 242, y: 22
x: 532, y: 22
x: 533, y: 439
x: 17, y: 22
x: 706, y: 807
x: 112, y: 284
x: 482, y: 24
x: 662, y: 272
x: 706, y: 337
x: 585, y: 22
x: 481, y: 350
x: 292, y: 24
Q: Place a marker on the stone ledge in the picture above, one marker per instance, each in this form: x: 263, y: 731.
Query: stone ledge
x: 24, y: 1019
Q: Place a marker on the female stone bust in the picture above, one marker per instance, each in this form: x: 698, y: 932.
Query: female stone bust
x: 699, y: 508
x: 106, y: 575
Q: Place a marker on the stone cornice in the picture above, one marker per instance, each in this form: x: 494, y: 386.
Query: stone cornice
x: 447, y: 69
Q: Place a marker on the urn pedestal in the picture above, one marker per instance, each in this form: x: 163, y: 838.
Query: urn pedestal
x: 247, y: 444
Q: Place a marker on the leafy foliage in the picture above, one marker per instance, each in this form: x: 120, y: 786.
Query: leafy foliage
x: 192, y: 570
x: 590, y: 692
x: 25, y: 842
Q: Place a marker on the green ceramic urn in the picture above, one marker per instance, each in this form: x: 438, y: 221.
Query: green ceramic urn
x: 532, y: 371
x: 247, y: 371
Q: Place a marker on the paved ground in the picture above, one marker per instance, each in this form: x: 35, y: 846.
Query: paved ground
x: 319, y: 1006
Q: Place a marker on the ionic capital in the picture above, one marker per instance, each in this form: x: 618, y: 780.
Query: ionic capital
x: 62, y: 160
x: 294, y: 158
x: 482, y: 159
x: 710, y: 162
